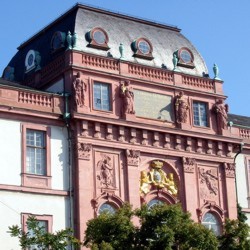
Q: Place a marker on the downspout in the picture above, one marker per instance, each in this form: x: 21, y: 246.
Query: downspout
x: 66, y: 117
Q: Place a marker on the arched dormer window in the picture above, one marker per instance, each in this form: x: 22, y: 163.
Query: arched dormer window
x: 57, y: 41
x: 98, y: 38
x: 185, y: 57
x: 142, y: 48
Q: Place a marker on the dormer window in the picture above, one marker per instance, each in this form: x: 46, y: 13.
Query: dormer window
x: 142, y: 48
x: 30, y: 60
x: 57, y: 41
x: 185, y: 57
x: 98, y: 38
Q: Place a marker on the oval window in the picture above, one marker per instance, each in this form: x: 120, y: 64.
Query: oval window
x: 99, y: 37
x: 144, y: 47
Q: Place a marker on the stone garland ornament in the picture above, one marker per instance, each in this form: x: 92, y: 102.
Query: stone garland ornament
x: 229, y: 170
x: 133, y: 157
x: 84, y: 150
x: 157, y: 178
x: 188, y: 164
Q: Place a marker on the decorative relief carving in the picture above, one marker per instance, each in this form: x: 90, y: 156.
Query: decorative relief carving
x: 188, y: 164
x: 208, y: 183
x: 79, y: 89
x: 229, y: 169
x: 157, y: 178
x: 105, y: 171
x: 84, y: 150
x: 133, y: 157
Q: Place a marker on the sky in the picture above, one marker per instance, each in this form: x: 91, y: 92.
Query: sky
x: 219, y: 29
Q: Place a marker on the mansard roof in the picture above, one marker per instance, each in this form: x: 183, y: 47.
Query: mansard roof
x: 81, y: 19
x: 238, y: 120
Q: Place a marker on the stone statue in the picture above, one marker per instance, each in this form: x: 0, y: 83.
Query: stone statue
x: 221, y: 111
x: 79, y: 91
x: 121, y: 50
x: 175, y: 61
x: 216, y: 71
x: 106, y: 171
x: 181, y: 108
x: 126, y: 92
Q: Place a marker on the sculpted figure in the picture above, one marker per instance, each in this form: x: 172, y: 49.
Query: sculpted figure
x: 126, y: 92
x: 106, y: 173
x: 172, y: 189
x: 79, y: 90
x: 181, y: 108
x: 144, y: 183
x: 221, y: 111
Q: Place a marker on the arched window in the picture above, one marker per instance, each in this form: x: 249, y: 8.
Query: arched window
x: 142, y: 48
x: 210, y: 221
x: 107, y: 208
x: 154, y: 202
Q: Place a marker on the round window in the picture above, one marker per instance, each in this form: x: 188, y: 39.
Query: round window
x: 107, y: 208
x: 211, y: 222
x: 186, y: 57
x: 30, y: 59
x: 154, y: 202
x: 144, y: 47
x: 99, y: 37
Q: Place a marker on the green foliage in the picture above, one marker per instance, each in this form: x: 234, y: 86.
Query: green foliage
x: 45, y: 240
x: 235, y: 236
x: 241, y: 216
x: 162, y: 227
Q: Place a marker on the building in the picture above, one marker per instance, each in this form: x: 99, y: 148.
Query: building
x: 144, y: 121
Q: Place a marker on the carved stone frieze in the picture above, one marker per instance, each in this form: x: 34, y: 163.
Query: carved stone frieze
x: 133, y: 157
x: 208, y: 179
x: 188, y: 164
x: 229, y: 170
x: 84, y: 150
x: 105, y: 172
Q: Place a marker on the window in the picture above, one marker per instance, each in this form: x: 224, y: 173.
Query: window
x: 98, y: 38
x: 154, y: 202
x: 107, y: 208
x: 142, y: 48
x: 200, y: 114
x: 102, y: 96
x: 35, y: 152
x: 185, y: 57
x: 211, y: 222
x: 57, y: 41
x: 44, y: 221
x: 36, y: 156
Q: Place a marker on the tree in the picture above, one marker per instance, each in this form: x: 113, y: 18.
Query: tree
x: 161, y: 227
x: 41, y: 238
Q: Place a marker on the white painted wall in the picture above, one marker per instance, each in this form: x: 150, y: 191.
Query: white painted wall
x: 13, y: 204
x: 10, y: 152
x: 10, y: 155
x: 241, y: 180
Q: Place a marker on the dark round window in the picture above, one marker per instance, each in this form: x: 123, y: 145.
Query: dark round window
x: 144, y: 47
x: 30, y: 59
x: 99, y: 37
x: 107, y: 208
x: 186, y: 57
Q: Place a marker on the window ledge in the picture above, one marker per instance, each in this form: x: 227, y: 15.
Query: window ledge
x: 38, y: 181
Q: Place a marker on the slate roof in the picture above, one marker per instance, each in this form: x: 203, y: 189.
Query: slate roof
x: 239, y: 120
x: 120, y: 28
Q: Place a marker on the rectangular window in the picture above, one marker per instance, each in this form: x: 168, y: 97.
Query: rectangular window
x: 44, y: 221
x: 36, y: 170
x: 102, y: 96
x: 35, y: 152
x: 200, y: 114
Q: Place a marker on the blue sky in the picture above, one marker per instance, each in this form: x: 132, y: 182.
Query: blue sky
x: 219, y: 29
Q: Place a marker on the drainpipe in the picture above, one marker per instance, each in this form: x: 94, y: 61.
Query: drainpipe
x: 66, y: 117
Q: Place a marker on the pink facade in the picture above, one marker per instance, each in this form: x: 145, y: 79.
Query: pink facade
x: 146, y: 143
